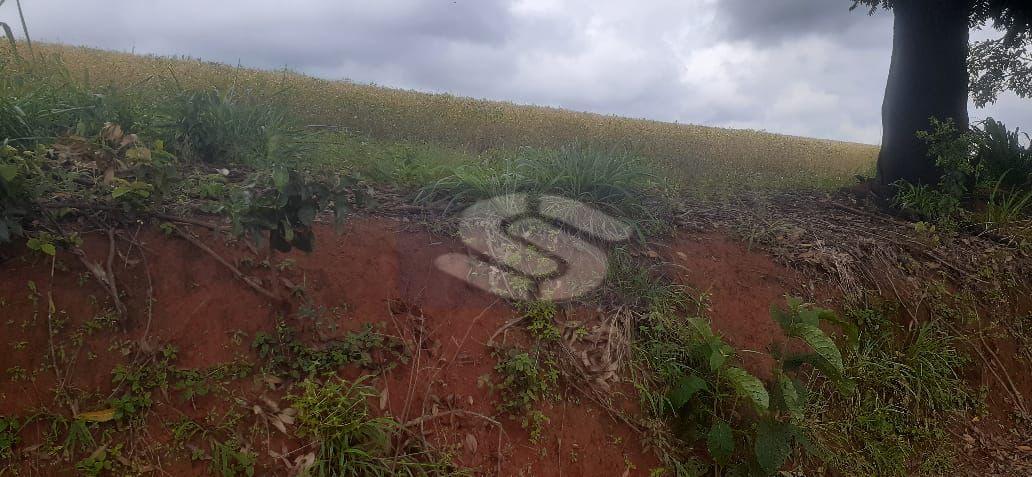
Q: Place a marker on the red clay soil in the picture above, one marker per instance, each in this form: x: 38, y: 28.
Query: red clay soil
x: 742, y: 285
x: 378, y: 271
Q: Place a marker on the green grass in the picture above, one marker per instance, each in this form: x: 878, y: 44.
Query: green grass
x: 349, y: 440
x: 699, y: 157
x: 895, y: 420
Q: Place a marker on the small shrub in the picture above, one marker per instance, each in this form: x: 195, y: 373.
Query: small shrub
x: 527, y: 377
x: 9, y: 428
x: 349, y: 439
x: 745, y: 424
x: 281, y: 214
x: 541, y: 316
x: 228, y: 459
x: 906, y: 385
x: 284, y: 355
x: 224, y: 127
x: 96, y: 464
x: 1002, y: 156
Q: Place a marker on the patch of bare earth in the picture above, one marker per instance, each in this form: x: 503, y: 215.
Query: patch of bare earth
x: 379, y: 271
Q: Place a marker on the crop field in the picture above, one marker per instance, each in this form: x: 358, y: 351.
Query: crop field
x: 700, y: 157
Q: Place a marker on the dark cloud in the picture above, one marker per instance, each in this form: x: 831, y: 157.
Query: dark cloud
x: 801, y: 67
x: 767, y: 22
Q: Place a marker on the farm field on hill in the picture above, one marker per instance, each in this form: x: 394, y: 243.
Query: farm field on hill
x: 700, y: 157
x: 210, y: 270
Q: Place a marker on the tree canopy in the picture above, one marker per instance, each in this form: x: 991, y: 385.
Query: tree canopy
x: 994, y: 65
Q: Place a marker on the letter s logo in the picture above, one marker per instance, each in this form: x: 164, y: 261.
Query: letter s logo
x: 530, y: 256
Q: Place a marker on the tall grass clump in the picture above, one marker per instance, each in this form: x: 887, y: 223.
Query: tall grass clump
x: 350, y: 441
x: 215, y: 126
x: 615, y: 182
x: 1002, y: 155
x: 894, y: 422
x: 41, y: 100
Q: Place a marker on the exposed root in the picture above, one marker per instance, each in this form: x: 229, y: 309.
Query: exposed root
x: 236, y: 272
x: 103, y: 276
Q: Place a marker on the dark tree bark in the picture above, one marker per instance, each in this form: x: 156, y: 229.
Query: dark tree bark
x: 928, y: 77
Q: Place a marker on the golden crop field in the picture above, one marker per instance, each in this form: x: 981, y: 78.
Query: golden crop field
x: 714, y: 157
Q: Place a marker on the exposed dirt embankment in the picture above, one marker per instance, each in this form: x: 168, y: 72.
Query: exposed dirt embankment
x: 377, y: 272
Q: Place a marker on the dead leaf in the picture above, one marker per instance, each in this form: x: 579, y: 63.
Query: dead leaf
x: 278, y: 424
x: 270, y: 403
x: 383, y: 399
x: 471, y: 443
x: 303, y: 464
x: 104, y: 415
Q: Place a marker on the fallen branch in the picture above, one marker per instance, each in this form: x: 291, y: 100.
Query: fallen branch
x: 197, y: 243
x: 112, y: 208
x: 105, y: 278
x: 460, y: 412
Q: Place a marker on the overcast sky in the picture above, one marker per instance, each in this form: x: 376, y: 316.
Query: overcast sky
x: 805, y: 67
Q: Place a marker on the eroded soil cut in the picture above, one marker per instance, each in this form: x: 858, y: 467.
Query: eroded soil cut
x: 377, y: 272
x: 435, y: 377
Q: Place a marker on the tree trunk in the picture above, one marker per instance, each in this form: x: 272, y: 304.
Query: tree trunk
x: 927, y: 77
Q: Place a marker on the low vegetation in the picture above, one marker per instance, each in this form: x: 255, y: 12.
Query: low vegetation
x: 180, y: 142
x: 350, y: 440
x: 986, y: 184
x: 907, y: 383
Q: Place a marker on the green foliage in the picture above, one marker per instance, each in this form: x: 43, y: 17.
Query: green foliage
x: 284, y: 355
x: 82, y: 128
x: 617, y: 183
x: 14, y: 195
x: 954, y: 152
x: 351, y: 441
x: 1001, y: 154
x: 1001, y: 64
x: 193, y: 383
x: 705, y: 391
x: 283, y: 212
x: 224, y: 127
x: 632, y: 281
x: 96, y: 464
x: 228, y: 459
x: 9, y: 428
x: 966, y: 160
x: 541, y: 315
x: 137, y: 383
x: 40, y: 100
x: 526, y: 378
x: 1005, y: 208
x: 896, y: 415
x: 928, y: 203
